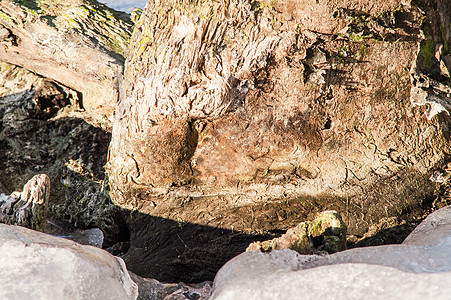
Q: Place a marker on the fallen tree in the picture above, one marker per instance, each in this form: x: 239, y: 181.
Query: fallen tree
x: 237, y: 118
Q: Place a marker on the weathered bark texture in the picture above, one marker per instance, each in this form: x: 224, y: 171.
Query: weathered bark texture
x: 254, y: 115
x: 29, y: 208
x: 77, y: 43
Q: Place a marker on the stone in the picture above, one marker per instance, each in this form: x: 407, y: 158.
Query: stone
x: 328, y: 232
x: 297, y: 239
x: 93, y: 236
x: 325, y: 233
x: 419, y: 268
x: 151, y: 289
x: 251, y: 116
x: 38, y: 266
x: 433, y: 229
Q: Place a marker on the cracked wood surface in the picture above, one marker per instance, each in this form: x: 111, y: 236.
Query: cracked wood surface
x: 29, y: 208
x: 254, y: 115
x: 76, y: 43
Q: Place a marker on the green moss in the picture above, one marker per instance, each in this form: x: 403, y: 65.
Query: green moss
x: 143, y: 43
x: 427, y: 52
x: 257, y: 5
x: 93, y: 20
x: 266, y: 246
x: 105, y: 28
x: 31, y: 7
x: 334, y: 244
x: 356, y: 37
x: 358, y: 24
x: 316, y: 228
x: 70, y: 20
x: 342, y: 53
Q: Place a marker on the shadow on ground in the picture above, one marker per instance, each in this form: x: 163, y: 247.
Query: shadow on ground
x: 171, y: 251
x: 393, y: 235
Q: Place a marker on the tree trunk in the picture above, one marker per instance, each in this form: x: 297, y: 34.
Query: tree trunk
x: 251, y: 116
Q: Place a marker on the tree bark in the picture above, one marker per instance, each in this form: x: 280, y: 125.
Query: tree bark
x: 253, y: 115
x: 29, y: 208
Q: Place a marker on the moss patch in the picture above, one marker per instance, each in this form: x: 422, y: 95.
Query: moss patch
x: 427, y: 53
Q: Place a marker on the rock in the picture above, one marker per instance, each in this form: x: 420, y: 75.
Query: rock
x: 327, y: 232
x: 435, y: 228
x: 251, y: 116
x: 93, y: 237
x: 39, y: 266
x: 76, y: 43
x: 296, y: 238
x: 151, y: 289
x: 420, y: 268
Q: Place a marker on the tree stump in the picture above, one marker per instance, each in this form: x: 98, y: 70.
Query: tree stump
x: 29, y: 208
x: 249, y: 116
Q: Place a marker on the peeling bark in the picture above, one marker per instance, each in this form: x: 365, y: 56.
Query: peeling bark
x: 29, y: 208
